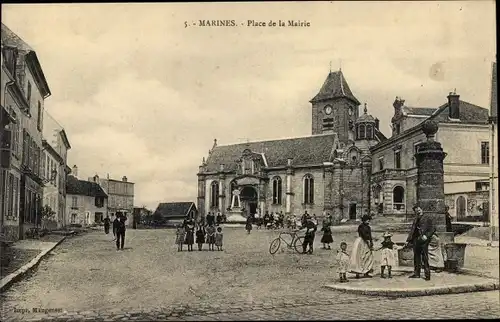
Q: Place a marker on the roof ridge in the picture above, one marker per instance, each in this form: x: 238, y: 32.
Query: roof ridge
x: 280, y: 139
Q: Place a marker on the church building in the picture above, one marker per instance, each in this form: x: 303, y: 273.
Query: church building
x: 326, y: 172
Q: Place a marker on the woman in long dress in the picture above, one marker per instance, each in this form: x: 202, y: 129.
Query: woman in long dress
x: 362, y: 250
x: 436, y: 258
x: 327, y: 238
x: 190, y: 234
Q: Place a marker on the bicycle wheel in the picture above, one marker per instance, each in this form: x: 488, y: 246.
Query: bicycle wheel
x: 297, y: 244
x: 275, y: 246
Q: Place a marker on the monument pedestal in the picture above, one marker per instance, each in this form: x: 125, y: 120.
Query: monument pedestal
x: 235, y: 216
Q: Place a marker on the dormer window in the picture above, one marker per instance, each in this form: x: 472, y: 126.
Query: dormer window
x: 369, y: 132
x: 361, y: 132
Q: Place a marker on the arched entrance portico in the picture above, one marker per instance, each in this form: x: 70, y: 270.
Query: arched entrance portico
x: 249, y: 199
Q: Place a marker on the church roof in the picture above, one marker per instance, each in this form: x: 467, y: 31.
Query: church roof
x: 314, y: 149
x: 365, y: 117
x: 174, y: 209
x: 335, y: 86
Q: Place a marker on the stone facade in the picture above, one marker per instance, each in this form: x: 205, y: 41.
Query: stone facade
x: 24, y: 90
x: 120, y: 197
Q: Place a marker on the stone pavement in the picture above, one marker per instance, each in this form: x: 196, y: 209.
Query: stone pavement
x: 85, y: 277
x: 343, y: 307
x: 402, y: 286
x: 29, y: 244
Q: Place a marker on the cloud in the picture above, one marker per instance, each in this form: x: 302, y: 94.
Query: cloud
x: 142, y: 96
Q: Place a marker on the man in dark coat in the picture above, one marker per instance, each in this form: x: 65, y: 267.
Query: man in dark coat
x: 210, y: 219
x: 115, y: 225
x: 120, y: 233
x: 420, y: 235
x: 449, y: 227
x: 107, y: 223
x: 310, y: 234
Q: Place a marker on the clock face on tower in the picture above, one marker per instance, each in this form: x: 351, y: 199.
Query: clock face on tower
x: 328, y: 110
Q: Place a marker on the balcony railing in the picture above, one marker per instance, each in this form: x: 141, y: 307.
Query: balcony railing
x: 388, y: 174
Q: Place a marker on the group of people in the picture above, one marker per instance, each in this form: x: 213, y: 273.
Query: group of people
x: 118, y: 229
x: 206, y: 233
x: 422, y: 237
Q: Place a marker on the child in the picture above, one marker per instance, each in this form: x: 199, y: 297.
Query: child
x: 343, y: 261
x: 248, y: 226
x: 180, y: 235
x: 387, y: 256
x: 218, y: 238
x: 211, y: 237
x: 327, y: 238
x: 200, y: 237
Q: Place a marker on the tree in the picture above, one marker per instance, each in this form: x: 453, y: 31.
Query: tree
x: 47, y: 214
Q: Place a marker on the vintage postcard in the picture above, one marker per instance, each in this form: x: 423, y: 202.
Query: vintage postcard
x: 328, y: 160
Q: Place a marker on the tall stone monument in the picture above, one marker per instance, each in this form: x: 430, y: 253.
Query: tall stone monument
x: 430, y: 197
x: 430, y: 180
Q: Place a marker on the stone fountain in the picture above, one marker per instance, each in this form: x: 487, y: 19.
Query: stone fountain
x: 430, y: 197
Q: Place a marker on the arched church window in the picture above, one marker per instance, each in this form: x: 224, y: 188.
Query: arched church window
x: 277, y: 190
x: 361, y: 131
x: 369, y: 132
x: 398, y: 198
x: 214, y: 194
x: 308, y: 189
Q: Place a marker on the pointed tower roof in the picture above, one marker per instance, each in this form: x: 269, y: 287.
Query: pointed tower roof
x: 365, y: 117
x: 335, y: 86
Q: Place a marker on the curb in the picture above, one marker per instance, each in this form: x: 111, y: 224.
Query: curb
x: 408, y: 292
x: 8, y: 280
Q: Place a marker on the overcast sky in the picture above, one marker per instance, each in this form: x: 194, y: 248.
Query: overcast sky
x: 141, y: 95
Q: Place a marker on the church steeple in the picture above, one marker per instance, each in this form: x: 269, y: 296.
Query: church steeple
x: 334, y: 108
x: 335, y: 86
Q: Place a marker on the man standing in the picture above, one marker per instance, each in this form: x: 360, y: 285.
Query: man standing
x: 310, y: 234
x: 420, y: 235
x: 120, y: 233
x: 449, y: 227
x: 107, y: 222
x: 116, y: 222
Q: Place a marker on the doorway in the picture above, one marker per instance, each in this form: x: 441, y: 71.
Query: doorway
x: 352, y: 211
x: 249, y: 199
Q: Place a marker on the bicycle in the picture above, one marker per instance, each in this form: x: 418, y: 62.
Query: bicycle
x: 296, y: 242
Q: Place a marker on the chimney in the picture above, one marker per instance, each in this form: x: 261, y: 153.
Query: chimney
x: 74, y: 171
x: 377, y: 124
x: 96, y: 179
x: 454, y: 105
x: 124, y: 179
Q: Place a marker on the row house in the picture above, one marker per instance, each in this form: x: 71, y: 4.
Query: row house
x: 24, y: 90
x: 120, y: 197
x: 86, y: 201
x: 55, y: 169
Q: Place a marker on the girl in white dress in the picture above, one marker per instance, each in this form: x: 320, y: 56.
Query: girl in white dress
x: 388, y: 255
x: 343, y: 262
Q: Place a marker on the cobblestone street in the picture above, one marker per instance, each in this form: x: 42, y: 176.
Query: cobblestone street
x: 85, y: 277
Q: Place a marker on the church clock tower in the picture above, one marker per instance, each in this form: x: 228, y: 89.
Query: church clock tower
x: 334, y: 108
